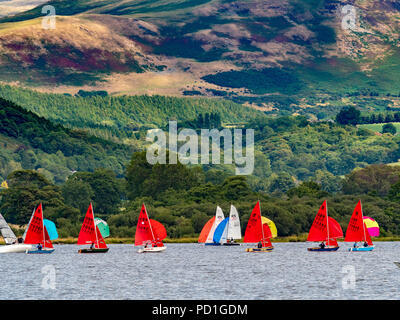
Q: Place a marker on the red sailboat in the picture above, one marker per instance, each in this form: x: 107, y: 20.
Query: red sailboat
x: 37, y: 234
x: 149, y: 233
x: 357, y: 231
x: 90, y: 234
x: 257, y: 232
x: 326, y: 230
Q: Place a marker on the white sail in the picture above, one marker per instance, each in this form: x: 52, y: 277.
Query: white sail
x: 26, y: 230
x: 6, y: 232
x: 219, y: 216
x: 233, y: 230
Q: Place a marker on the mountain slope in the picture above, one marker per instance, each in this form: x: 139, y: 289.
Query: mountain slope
x: 284, y: 56
x: 31, y: 142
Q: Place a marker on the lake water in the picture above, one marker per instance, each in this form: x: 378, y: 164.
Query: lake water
x: 194, y: 271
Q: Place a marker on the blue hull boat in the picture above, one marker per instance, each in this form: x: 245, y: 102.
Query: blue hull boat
x: 370, y: 248
x: 323, y: 249
x: 43, y: 251
x: 212, y: 244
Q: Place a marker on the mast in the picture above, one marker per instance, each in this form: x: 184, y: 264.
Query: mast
x: 262, y: 229
x: 327, y: 221
x: 94, y: 224
x: 362, y: 220
x: 151, y: 229
x: 44, y: 237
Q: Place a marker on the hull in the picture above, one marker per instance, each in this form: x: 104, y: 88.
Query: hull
x: 362, y: 249
x: 152, y: 249
x: 231, y: 244
x: 15, y: 248
x: 265, y: 249
x: 212, y: 244
x: 323, y: 249
x: 94, y: 250
x: 43, y: 251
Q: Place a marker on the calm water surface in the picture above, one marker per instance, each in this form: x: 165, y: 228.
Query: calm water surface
x: 193, y: 271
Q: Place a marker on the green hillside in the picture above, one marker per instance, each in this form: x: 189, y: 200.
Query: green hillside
x: 122, y: 116
x: 32, y: 142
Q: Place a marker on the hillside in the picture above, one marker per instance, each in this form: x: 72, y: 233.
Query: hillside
x: 287, y: 149
x: 283, y: 57
x: 31, y: 142
x: 122, y: 116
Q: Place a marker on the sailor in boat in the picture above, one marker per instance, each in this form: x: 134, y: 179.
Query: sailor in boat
x: 259, y: 245
x: 92, y: 246
x: 20, y: 240
x: 365, y: 244
x: 232, y: 241
x: 322, y: 245
x: 355, y: 246
x: 39, y: 246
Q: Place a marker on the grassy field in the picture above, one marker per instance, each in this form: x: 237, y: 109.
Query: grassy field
x: 377, y: 127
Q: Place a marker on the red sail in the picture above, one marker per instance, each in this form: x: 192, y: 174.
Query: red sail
x: 318, y: 230
x: 332, y: 242
x: 267, y: 231
x: 335, y: 230
x: 356, y: 230
x: 255, y: 230
x: 206, y: 230
x: 158, y: 230
x: 89, y: 232
x: 143, y: 230
x: 100, y: 244
x: 36, y: 232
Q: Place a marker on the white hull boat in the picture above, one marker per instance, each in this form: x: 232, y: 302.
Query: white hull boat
x: 152, y: 249
x: 15, y: 248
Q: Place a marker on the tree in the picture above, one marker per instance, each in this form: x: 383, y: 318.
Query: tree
x: 137, y: 172
x: 348, y: 115
x: 27, y: 189
x: 77, y: 194
x: 389, y: 128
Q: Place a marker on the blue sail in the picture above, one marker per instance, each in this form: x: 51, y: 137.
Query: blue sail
x: 51, y: 229
x: 219, y: 231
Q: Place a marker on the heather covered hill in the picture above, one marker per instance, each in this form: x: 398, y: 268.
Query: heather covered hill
x: 290, y: 56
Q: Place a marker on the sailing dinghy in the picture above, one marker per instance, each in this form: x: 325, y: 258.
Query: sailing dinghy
x: 229, y: 229
x: 357, y: 231
x: 90, y: 234
x: 207, y: 233
x: 257, y: 232
x: 149, y: 233
x: 326, y: 230
x: 12, y: 245
x: 37, y: 234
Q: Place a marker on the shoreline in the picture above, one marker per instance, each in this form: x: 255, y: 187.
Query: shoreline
x: 302, y: 238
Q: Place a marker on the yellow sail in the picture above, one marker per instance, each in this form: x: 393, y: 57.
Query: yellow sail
x: 271, y: 225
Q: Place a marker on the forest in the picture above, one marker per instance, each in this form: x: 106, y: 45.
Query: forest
x: 184, y: 199
x: 298, y: 164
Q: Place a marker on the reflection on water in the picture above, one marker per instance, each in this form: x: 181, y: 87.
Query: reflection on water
x: 194, y: 271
